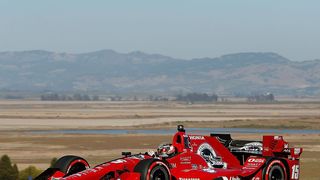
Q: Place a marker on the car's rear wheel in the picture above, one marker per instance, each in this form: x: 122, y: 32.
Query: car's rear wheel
x: 275, y: 170
x: 152, y: 169
x: 276, y: 173
x: 71, y: 164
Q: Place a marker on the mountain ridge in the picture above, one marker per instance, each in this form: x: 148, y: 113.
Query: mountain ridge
x: 109, y: 71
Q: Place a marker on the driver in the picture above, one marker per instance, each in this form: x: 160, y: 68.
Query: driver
x: 166, y: 150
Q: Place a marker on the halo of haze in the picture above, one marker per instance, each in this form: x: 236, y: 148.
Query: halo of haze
x: 181, y: 28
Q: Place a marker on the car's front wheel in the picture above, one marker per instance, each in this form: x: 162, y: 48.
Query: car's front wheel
x: 71, y: 164
x: 152, y: 169
x: 158, y: 173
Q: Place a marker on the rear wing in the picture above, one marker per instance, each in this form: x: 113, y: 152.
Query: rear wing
x: 276, y: 146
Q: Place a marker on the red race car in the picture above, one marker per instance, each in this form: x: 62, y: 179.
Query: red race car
x: 191, y: 157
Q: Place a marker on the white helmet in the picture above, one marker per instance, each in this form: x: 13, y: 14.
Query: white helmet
x: 166, y: 150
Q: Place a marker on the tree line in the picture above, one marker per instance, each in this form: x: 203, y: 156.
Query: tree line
x: 197, y: 97
x: 266, y: 97
x: 9, y: 171
x: 190, y: 97
x: 63, y: 97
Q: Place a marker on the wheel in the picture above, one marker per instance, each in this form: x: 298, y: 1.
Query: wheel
x: 152, y: 169
x: 275, y: 170
x: 71, y: 164
x: 159, y: 173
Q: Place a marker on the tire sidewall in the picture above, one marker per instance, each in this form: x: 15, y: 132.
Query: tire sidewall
x: 65, y: 163
x: 146, y: 166
x: 157, y: 165
x: 272, y: 165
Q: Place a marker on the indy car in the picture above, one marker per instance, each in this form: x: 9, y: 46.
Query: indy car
x: 191, y: 157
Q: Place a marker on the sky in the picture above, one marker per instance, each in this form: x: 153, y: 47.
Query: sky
x: 178, y: 28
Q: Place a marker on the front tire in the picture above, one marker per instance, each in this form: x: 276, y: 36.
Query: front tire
x: 71, y: 164
x: 152, y: 169
x: 159, y: 173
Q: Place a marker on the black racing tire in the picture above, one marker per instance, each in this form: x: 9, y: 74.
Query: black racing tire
x: 71, y: 164
x: 152, y: 169
x: 275, y: 170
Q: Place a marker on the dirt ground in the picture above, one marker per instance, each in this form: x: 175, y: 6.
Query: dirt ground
x: 19, y: 118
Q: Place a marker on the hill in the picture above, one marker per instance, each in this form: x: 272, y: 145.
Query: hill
x: 109, y: 71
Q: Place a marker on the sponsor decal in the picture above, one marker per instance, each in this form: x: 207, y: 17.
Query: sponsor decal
x: 231, y: 178
x: 173, y: 165
x: 208, y: 153
x: 295, y: 172
x: 297, y: 151
x: 196, y: 137
x: 206, y: 149
x: 253, y: 163
x: 187, y: 162
x: 194, y: 166
x: 186, y: 170
x: 254, y: 160
x: 277, y: 137
x: 119, y: 161
x: 186, y: 158
x: 189, y: 178
x: 234, y: 178
x: 255, y: 178
x: 286, y: 150
x: 140, y: 157
x: 209, y: 170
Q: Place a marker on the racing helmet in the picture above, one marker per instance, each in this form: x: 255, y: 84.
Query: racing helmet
x: 166, y: 150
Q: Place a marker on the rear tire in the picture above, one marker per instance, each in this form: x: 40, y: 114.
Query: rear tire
x: 71, y: 164
x: 275, y: 170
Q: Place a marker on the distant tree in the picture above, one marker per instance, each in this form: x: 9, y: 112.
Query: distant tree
x: 50, y: 97
x: 77, y: 97
x: 63, y: 97
x: 15, y: 170
x: 7, y: 171
x: 53, y: 162
x: 13, y: 97
x: 116, y: 98
x: 266, y: 97
x: 85, y: 97
x: 197, y: 97
x: 30, y: 171
x: 95, y: 98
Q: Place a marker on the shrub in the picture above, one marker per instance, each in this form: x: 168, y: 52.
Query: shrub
x: 7, y: 171
x: 30, y: 171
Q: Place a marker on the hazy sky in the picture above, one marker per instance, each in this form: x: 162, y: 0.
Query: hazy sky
x: 178, y: 28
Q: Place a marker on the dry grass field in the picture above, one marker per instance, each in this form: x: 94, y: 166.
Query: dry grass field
x: 19, y: 118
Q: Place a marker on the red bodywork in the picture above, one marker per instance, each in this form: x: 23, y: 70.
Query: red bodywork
x: 204, y: 158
